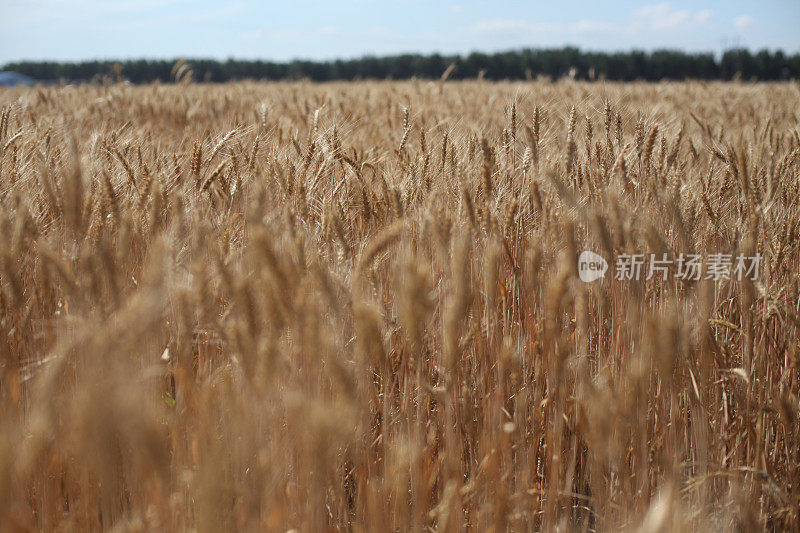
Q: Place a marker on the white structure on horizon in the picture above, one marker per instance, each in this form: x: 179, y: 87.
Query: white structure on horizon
x: 11, y: 79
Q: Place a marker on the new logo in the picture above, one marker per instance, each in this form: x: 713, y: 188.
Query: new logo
x: 591, y: 266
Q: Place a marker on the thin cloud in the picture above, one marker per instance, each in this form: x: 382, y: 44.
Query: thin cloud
x: 664, y: 17
x: 593, y: 26
x: 509, y: 25
x: 743, y: 22
x: 652, y: 18
x: 39, y: 12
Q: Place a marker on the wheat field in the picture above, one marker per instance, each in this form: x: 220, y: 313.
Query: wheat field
x: 356, y: 306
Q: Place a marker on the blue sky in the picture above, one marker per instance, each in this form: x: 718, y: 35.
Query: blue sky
x: 324, y: 29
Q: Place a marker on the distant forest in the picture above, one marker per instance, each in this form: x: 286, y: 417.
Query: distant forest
x: 512, y: 65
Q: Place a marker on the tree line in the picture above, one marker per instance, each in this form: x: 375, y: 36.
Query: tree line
x: 515, y: 65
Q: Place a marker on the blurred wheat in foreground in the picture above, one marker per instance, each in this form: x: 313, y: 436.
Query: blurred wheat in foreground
x: 356, y: 307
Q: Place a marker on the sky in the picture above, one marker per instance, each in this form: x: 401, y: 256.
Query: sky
x: 327, y: 29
